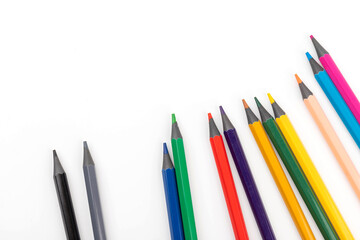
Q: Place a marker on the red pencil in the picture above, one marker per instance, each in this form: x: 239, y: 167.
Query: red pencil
x: 227, y: 182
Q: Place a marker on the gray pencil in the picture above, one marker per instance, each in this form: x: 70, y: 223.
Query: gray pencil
x: 93, y: 195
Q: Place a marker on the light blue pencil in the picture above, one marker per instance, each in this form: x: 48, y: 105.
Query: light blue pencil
x: 336, y: 99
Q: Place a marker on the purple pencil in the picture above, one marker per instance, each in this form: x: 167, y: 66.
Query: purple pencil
x: 246, y: 177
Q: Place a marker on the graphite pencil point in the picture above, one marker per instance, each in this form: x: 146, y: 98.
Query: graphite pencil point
x: 58, y: 169
x: 87, y: 156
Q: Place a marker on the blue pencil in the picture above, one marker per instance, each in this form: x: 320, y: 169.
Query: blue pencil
x: 336, y: 99
x: 172, y: 197
x: 246, y: 177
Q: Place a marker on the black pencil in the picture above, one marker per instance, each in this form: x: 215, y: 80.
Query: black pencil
x: 65, y: 202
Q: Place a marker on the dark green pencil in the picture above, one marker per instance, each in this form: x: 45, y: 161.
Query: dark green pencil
x: 296, y: 174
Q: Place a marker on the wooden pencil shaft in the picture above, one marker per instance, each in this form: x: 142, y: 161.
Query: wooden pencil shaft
x: 66, y: 207
x: 313, y: 177
x: 300, y: 180
x: 334, y: 143
x: 94, y: 202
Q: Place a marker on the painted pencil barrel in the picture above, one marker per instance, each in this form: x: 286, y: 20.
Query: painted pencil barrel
x: 249, y: 184
x: 229, y: 189
x: 173, y: 205
x: 66, y: 207
x: 334, y: 143
x: 313, y: 177
x: 94, y: 202
x: 300, y: 180
x: 281, y: 181
x: 339, y: 105
x: 183, y: 185
x: 341, y: 84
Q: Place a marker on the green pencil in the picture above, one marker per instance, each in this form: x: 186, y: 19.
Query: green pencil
x: 296, y: 174
x: 182, y: 180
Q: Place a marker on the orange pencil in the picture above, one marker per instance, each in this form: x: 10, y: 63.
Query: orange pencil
x: 330, y: 136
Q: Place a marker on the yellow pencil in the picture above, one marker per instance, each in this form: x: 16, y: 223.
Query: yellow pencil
x: 278, y: 174
x: 310, y: 171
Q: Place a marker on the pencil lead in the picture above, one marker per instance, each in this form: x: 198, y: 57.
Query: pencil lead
x: 298, y: 79
x: 167, y: 163
x: 166, y: 151
x: 315, y: 66
x: 173, y: 118
x: 58, y: 169
x: 221, y: 110
x: 305, y: 92
x: 87, y: 155
x: 320, y: 51
x: 250, y: 115
x: 278, y: 112
x: 227, y: 125
x: 257, y: 102
x: 214, y: 131
x: 311, y: 36
x: 308, y: 56
x: 245, y: 104
x: 209, y: 116
x: 271, y: 99
x: 264, y: 114
x: 175, y: 131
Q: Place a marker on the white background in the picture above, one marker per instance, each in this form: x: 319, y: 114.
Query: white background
x: 112, y: 72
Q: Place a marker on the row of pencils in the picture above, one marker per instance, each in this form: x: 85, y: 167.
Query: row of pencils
x: 273, y: 134
x: 65, y: 201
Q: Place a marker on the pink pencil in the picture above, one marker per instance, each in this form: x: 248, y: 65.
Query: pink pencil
x: 330, y: 136
x: 338, y: 79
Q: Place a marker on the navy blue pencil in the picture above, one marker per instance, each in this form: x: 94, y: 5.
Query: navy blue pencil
x: 172, y: 197
x: 246, y: 177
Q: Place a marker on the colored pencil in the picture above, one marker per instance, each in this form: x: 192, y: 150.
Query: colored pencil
x: 246, y: 177
x: 172, y: 197
x: 182, y: 180
x: 310, y: 171
x: 338, y: 79
x: 330, y: 136
x: 227, y: 181
x: 278, y: 174
x: 93, y: 195
x: 336, y: 100
x: 65, y: 202
x: 296, y: 173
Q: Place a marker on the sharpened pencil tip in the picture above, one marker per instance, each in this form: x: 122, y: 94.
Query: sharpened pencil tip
x: 270, y: 98
x: 245, y: 104
x: 311, y: 36
x: 210, y: 116
x: 173, y: 118
x: 58, y: 169
x: 85, y: 144
x: 222, y: 110
x: 298, y: 79
x: 165, y: 148
x: 257, y: 102
x: 54, y: 154
x: 308, y: 56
